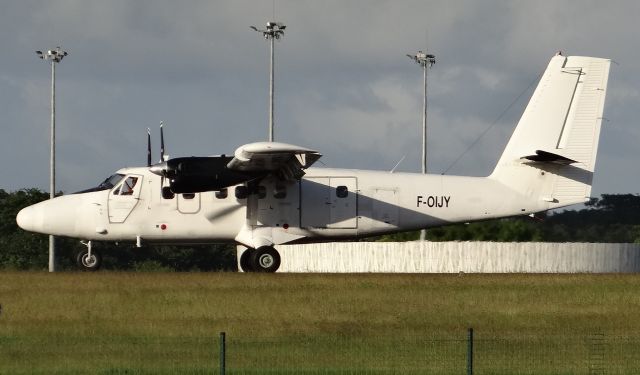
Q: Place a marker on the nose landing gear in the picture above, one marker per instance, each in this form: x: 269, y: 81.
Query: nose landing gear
x: 88, y: 260
x: 262, y: 259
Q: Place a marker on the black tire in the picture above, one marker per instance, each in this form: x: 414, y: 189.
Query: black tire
x: 245, y: 260
x: 89, y: 264
x: 265, y: 259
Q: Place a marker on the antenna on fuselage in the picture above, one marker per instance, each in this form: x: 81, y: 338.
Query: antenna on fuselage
x: 397, y: 164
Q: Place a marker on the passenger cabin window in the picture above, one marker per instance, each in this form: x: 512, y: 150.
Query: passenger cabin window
x: 188, y: 195
x: 222, y: 194
x: 262, y: 192
x: 241, y: 192
x: 126, y: 188
x: 280, y: 192
x: 342, y: 191
x: 167, y: 193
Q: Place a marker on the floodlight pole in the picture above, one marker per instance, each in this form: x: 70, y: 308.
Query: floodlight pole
x: 271, y: 88
x: 274, y: 30
x: 425, y: 61
x: 54, y: 56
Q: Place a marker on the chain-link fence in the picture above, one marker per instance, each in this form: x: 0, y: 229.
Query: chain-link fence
x: 478, y: 354
x: 491, y: 353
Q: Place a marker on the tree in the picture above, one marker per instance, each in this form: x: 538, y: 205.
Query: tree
x: 20, y: 250
x: 611, y: 218
x: 25, y: 250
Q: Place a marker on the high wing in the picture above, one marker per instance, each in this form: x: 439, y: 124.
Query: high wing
x: 286, y: 161
x: 250, y: 162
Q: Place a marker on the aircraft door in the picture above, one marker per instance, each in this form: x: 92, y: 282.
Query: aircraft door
x: 124, y: 197
x: 385, y: 208
x: 343, y: 203
x: 329, y: 202
x: 278, y: 204
x: 315, y: 211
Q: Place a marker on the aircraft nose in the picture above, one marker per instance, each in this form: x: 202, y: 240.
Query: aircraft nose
x: 30, y: 219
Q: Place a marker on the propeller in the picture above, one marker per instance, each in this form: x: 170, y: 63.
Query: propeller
x: 148, y: 147
x: 161, y: 167
x: 161, y: 142
x: 194, y: 174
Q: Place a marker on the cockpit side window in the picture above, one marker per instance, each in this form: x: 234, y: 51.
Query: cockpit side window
x: 126, y: 187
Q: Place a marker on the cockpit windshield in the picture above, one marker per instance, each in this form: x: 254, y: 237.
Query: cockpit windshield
x: 107, y: 184
x: 111, y: 181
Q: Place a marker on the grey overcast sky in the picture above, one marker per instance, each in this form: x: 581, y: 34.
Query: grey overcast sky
x: 343, y: 83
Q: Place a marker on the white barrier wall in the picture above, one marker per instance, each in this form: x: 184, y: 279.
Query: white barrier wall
x: 455, y: 257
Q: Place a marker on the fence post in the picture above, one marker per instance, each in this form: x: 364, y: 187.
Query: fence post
x: 470, y: 352
x: 222, y: 353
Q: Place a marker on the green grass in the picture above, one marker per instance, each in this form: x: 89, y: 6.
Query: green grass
x: 148, y: 323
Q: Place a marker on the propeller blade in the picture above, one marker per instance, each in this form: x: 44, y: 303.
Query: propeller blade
x: 148, y: 147
x: 161, y: 142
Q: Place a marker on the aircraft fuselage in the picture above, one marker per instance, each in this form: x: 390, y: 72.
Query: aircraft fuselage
x: 324, y: 204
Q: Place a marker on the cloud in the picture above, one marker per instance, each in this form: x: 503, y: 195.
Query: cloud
x: 343, y: 82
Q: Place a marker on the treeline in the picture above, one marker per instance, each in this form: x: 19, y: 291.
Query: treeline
x: 23, y: 250
x: 611, y: 218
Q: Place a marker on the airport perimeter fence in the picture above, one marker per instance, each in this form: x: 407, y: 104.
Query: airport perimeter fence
x: 472, y: 353
x: 351, y: 353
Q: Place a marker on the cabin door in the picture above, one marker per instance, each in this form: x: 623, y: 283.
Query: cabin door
x: 329, y: 202
x: 124, y: 197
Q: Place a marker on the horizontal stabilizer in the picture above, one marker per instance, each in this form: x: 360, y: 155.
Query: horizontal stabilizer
x: 549, y: 157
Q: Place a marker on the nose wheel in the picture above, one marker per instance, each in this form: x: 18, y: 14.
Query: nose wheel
x: 88, y: 260
x: 262, y: 259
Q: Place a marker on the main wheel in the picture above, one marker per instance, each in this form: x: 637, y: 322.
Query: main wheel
x: 265, y: 259
x: 89, y: 263
x: 245, y: 260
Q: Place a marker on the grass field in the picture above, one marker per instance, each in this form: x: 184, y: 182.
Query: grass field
x: 130, y: 323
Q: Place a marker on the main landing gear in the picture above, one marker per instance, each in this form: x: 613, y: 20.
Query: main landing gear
x: 88, y: 260
x: 262, y: 259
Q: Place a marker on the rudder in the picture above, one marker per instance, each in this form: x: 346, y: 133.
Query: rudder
x: 552, y: 152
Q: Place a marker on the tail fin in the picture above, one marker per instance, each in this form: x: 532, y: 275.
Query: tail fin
x: 552, y: 152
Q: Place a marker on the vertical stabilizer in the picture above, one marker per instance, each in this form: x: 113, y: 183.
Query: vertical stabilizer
x: 552, y: 152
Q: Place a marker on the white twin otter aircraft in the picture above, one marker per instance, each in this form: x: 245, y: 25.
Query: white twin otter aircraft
x: 266, y: 194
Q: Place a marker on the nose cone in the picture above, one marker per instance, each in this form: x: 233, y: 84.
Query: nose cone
x: 30, y: 219
x: 56, y: 216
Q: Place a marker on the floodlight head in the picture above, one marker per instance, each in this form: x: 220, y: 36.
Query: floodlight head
x: 55, y: 55
x: 423, y: 59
